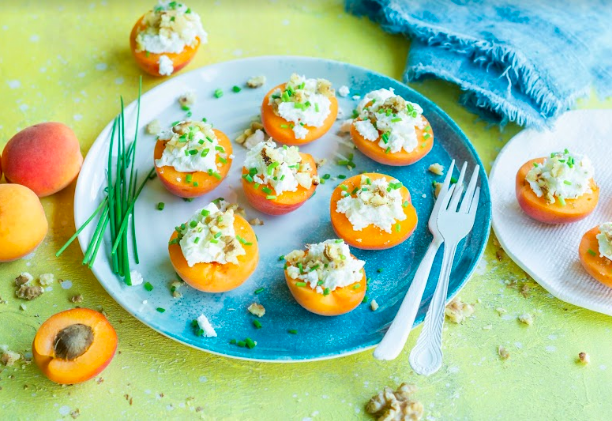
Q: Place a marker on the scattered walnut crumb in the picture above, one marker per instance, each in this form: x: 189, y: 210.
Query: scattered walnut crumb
x: 500, y: 310
x: 187, y: 99
x: 345, y: 126
x: 23, y: 279
x: 235, y: 207
x: 22, y: 307
x: 257, y: 309
x: 584, y: 358
x: 154, y: 127
x: 526, y: 318
x: 503, y: 353
x: 436, y: 169
x: 256, y: 221
x: 320, y: 162
x: 437, y: 188
x: 256, y: 81
x: 199, y: 409
x: 46, y: 279
x: 499, y: 254
x: 457, y: 311
x: 388, y: 405
x: 77, y: 298
x: 29, y: 292
x: 373, y: 305
x: 253, y: 135
x: 8, y: 357
x: 174, y: 286
x: 75, y: 414
x: 100, y: 380
x: 525, y: 290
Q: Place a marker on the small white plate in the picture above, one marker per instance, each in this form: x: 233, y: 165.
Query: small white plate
x: 549, y: 253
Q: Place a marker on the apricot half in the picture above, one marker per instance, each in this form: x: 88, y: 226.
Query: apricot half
x: 45, y: 157
x: 372, y: 150
x: 280, y: 129
x: 200, y: 182
x: 371, y: 237
x: 599, y: 267
x: 538, y: 208
x: 149, y: 62
x: 216, y: 277
x: 74, y: 346
x: 337, y: 302
x: 260, y: 197
x: 23, y: 224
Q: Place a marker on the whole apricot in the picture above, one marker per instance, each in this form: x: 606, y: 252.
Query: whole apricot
x: 23, y: 224
x: 45, y: 157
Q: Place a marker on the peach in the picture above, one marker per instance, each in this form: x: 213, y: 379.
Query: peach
x: 45, y: 157
x: 23, y: 224
x: 74, y: 346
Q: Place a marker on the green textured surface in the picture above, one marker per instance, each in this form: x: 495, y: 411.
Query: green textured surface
x: 72, y: 61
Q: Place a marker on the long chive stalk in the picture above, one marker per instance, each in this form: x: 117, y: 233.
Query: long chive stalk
x: 117, y: 208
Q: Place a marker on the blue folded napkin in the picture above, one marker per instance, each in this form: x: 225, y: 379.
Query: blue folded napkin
x: 523, y: 61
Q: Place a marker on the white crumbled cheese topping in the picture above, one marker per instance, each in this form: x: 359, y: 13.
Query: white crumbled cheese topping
x: 191, y: 146
x: 561, y: 176
x: 303, y: 102
x: 136, y: 278
x: 166, y: 66
x: 384, y: 115
x: 343, y: 91
x: 204, y: 324
x: 281, y: 167
x: 377, y: 202
x: 46, y: 279
x: 170, y: 27
x: 605, y: 240
x: 209, y: 237
x: 325, y: 266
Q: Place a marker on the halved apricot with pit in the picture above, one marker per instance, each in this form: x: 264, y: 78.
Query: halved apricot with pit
x: 74, y: 346
x: 538, y: 208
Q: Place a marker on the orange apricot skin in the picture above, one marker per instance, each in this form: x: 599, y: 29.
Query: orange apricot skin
x: 339, y: 301
x: 23, y: 224
x: 599, y: 267
x: 401, y: 158
x: 215, y: 277
x: 539, y: 209
x: 288, y: 201
x: 83, y: 368
x: 272, y: 122
x: 372, y: 237
x: 45, y: 157
x: 149, y: 62
x: 170, y: 176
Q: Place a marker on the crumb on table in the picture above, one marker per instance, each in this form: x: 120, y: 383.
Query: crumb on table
x: 256, y: 81
x: 436, y: 169
x: 526, y: 318
x: 503, y: 353
x: 154, y: 127
x: 457, y: 311
x: 389, y: 405
x: 257, y: 309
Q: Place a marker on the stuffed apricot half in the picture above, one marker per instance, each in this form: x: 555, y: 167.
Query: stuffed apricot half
x: 192, y: 158
x: 391, y: 130
x: 277, y: 181
x: 165, y: 39
x: 215, y: 251
x: 74, y: 345
x: 595, y: 253
x: 372, y: 211
x: 299, y: 111
x: 326, y: 279
x: 558, y: 189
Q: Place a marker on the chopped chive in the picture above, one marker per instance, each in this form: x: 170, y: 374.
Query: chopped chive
x: 205, y: 212
x: 316, y: 107
x: 341, y: 176
x: 188, y: 199
x: 214, y: 241
x: 357, y: 286
x: 219, y: 148
x: 395, y: 120
x: 270, y: 197
x: 284, y: 126
x: 148, y: 286
x: 161, y: 206
x: 453, y: 180
x: 241, y: 344
x: 217, y: 235
x: 218, y: 93
x: 232, y: 341
x: 344, y: 187
x: 236, y: 88
x: 160, y: 309
x: 193, y: 224
x: 196, y: 184
x: 243, y: 241
x: 355, y: 190
x: 188, y: 178
x: 204, y: 119
x: 292, y: 331
x: 405, y: 204
x: 256, y: 185
x: 379, y: 270
x: 175, y: 123
x: 591, y: 252
x: 266, y: 190
x: 365, y: 299
x: 258, y: 291
x: 257, y: 324
x: 249, y: 343
x: 193, y: 152
x: 196, y: 240
x: 388, y: 149
x: 222, y: 160
x: 326, y: 291
x: 326, y: 176
x: 281, y: 258
x: 175, y: 241
x: 301, y: 284
x: 204, y: 153
x: 216, y: 175
x: 398, y: 227
x: 567, y: 182
x: 561, y: 200
x: 248, y: 178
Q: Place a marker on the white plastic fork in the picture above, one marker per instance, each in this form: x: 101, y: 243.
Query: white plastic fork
x: 397, y: 334
x: 454, y: 223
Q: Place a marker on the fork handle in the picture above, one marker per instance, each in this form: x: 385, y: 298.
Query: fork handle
x: 426, y: 356
x: 395, y: 338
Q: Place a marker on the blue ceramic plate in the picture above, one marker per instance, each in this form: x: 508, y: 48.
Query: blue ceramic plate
x: 318, y: 337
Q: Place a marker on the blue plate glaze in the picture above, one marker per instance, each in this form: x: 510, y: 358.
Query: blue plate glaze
x: 318, y: 337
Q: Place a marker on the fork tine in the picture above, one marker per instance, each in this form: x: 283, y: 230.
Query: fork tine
x: 452, y: 207
x: 474, y: 203
x: 462, y: 174
x: 469, y: 192
x: 449, y: 175
x: 446, y: 198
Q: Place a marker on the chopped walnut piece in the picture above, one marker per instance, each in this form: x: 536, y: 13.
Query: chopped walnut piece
x: 187, y: 99
x: 46, y: 279
x: 526, y: 318
x: 437, y: 188
x: 174, y: 286
x: 500, y: 310
x: 154, y: 127
x: 77, y: 298
x: 584, y: 358
x: 373, y: 305
x: 253, y: 135
x: 29, y: 292
x: 324, y: 87
x: 256, y: 221
x: 257, y: 309
x: 503, y: 353
x: 388, y: 405
x: 9, y: 358
x: 457, y: 311
x: 320, y: 162
x: 75, y: 414
x: 345, y: 126
x: 256, y: 81
x: 23, y: 278
x: 436, y: 169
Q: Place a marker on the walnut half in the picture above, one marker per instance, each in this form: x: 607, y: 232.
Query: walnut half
x: 389, y: 405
